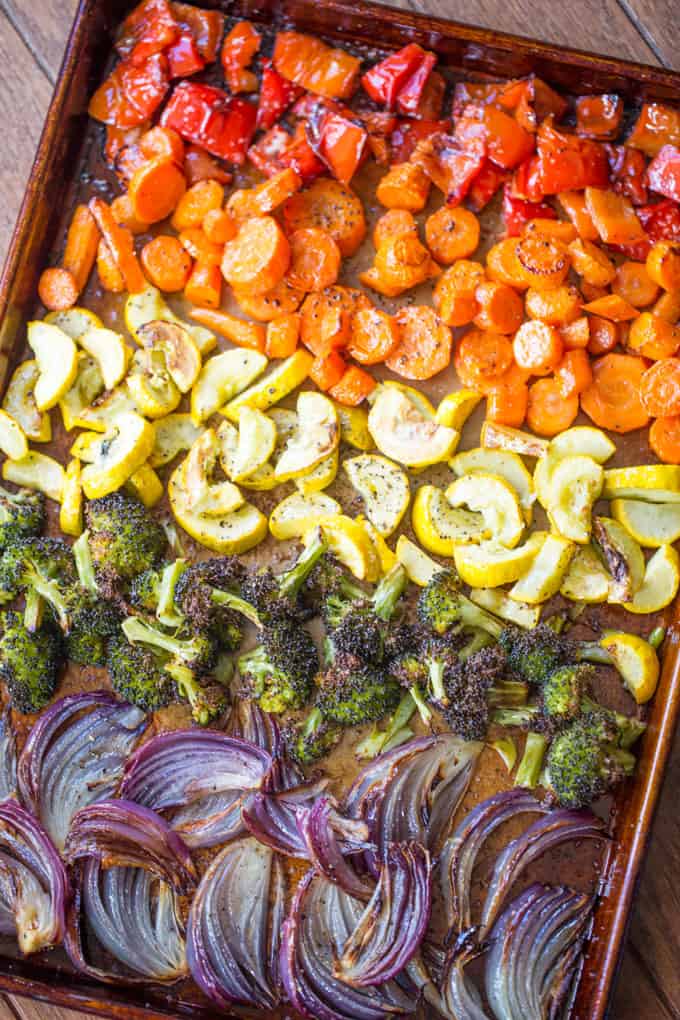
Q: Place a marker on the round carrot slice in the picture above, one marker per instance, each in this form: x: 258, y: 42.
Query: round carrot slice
x: 653, y: 337
x: 314, y: 259
x: 500, y: 307
x: 663, y: 265
x: 545, y: 262
x: 558, y: 307
x: 455, y: 290
x: 374, y: 336
x: 258, y: 257
x: 506, y: 402
x: 333, y: 207
x: 280, y: 300
x: 481, y: 359
x: 612, y: 401
x: 394, y: 223
x: 195, y: 204
x: 166, y: 263
x: 604, y: 335
x: 163, y: 142
x: 660, y: 388
x: 326, y: 317
x: 424, y: 347
x: 155, y: 189
x: 548, y: 410
x: 57, y: 289
x: 634, y: 284
x: 664, y: 439
x: 452, y: 233
x: 503, y: 265
x: 538, y: 347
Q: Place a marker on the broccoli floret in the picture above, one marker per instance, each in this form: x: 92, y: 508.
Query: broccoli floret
x: 352, y: 692
x: 42, y: 569
x: 125, y: 540
x: 281, y: 670
x: 93, y: 623
x: 329, y: 578
x: 272, y: 596
x: 145, y: 590
x: 468, y: 690
x: 361, y: 628
x: 208, y: 700
x: 585, y: 760
x: 22, y: 515
x: 198, y: 652
x: 196, y: 586
x: 534, y: 654
x: 312, y: 739
x: 560, y: 699
x: 29, y: 662
x: 137, y: 674
x: 442, y: 605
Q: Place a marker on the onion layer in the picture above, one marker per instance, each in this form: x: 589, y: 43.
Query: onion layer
x: 8, y: 757
x: 235, y: 926
x: 272, y: 818
x: 75, y: 755
x: 34, y: 888
x: 327, y: 837
x: 250, y: 723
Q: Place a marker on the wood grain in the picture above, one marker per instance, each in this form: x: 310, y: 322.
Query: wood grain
x: 32, y: 37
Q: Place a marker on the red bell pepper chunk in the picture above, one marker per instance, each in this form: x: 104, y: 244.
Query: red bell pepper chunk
x: 466, y: 92
x: 663, y: 173
x: 485, y: 185
x: 276, y: 95
x: 566, y: 163
x: 131, y: 94
x: 239, y: 47
x: 657, y: 125
x: 627, y: 169
x: 266, y: 152
x: 661, y: 220
x: 300, y: 156
x: 507, y: 143
x: 599, y: 116
x: 208, y: 117
x: 449, y: 165
x: 385, y: 80
x: 149, y: 29
x: 410, y: 93
x: 341, y: 145
x: 205, y: 26
x: 526, y: 181
x: 311, y: 64
x: 408, y: 133
x: 517, y: 212
x: 533, y: 102
x: 183, y: 56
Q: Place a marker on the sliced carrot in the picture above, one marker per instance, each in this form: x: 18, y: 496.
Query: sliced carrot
x: 166, y: 263
x: 404, y: 186
x: 452, y: 233
x: 375, y: 334
x: 574, y: 205
x: 503, y: 265
x: 538, y: 347
x: 162, y: 142
x: 326, y: 317
x: 590, y: 292
x: 455, y: 290
x: 155, y: 189
x: 660, y: 388
x: 612, y: 401
x: 614, y: 216
x: 481, y: 359
x: 424, y: 347
x: 664, y: 439
x: 548, y: 411
x: 354, y: 387
x: 204, y: 286
x: 327, y: 369
x: 667, y: 306
x: 545, y: 262
x: 280, y: 300
x: 499, y: 307
x: 604, y: 335
x: 555, y: 230
x: 121, y: 245
x: 394, y: 223
x: 198, y: 246
x: 195, y: 204
x: 576, y: 335
x: 109, y: 274
x: 653, y: 337
x: 634, y: 284
x: 400, y: 264
x: 266, y: 197
x: 282, y: 336
x: 82, y: 241
x: 591, y: 263
x: 240, y: 332
x: 611, y: 307
x: 258, y: 256
x: 557, y: 307
x: 57, y: 289
x: 507, y: 400
x: 663, y: 265
x: 333, y: 207
x: 124, y: 215
x: 218, y: 226
x: 314, y: 259
x: 574, y: 374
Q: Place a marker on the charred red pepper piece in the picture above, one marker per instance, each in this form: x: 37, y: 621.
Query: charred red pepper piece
x: 264, y: 154
x: 131, y: 94
x: 562, y: 162
x: 300, y: 156
x: 183, y: 56
x: 485, y: 185
x: 429, y: 106
x: 314, y: 66
x: 208, y: 117
x: 449, y: 165
x: 627, y: 168
x: 384, y: 81
x: 276, y: 95
x: 506, y: 141
x: 536, y: 102
x: 663, y: 173
x: 599, y: 116
x: 239, y: 47
x: 408, y: 133
x: 341, y: 144
x: 410, y: 94
x: 661, y: 220
x: 517, y: 212
x: 149, y: 29
x: 205, y: 26
x: 657, y: 125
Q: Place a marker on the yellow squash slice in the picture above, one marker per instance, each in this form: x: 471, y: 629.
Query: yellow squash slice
x: 19, y: 401
x: 495, y: 499
x: 490, y: 565
x: 439, y: 527
x: 509, y: 466
x: 650, y: 524
x: 36, y: 471
x: 296, y: 514
x: 417, y: 564
x: 128, y: 444
x: 654, y: 483
x: 13, y: 442
x: 285, y: 377
x: 148, y: 306
x: 383, y: 487
x: 317, y: 436
x: 231, y: 535
x: 660, y: 583
x: 109, y: 351
x: 57, y: 358
x: 544, y: 577
x: 222, y: 377
x: 587, y: 579
x: 402, y: 432
x: 496, y: 601
x: 174, y: 434
x: 623, y: 557
x: 636, y: 661
x: 71, y: 509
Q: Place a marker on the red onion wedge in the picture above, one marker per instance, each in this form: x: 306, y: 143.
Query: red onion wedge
x: 75, y: 755
x: 462, y: 848
x: 250, y: 723
x: 234, y: 926
x: 124, y: 923
x: 34, y: 888
x: 272, y: 817
x: 536, y: 947
x: 328, y: 837
x: 393, y: 924
x: 412, y: 792
x: 8, y: 757
x: 321, y: 918
x: 461, y: 997
x: 557, y: 827
x: 201, y: 778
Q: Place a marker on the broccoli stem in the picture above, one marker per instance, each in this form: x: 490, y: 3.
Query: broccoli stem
x: 508, y: 693
x: 137, y: 631
x: 592, y: 651
x: 529, y: 769
x: 472, y: 615
x: 173, y: 537
x: 291, y: 581
x: 389, y: 591
x: 630, y: 729
x: 49, y: 591
x: 166, y: 610
x: 397, y: 732
x: 33, y: 611
x: 480, y: 639
x: 424, y: 709
x: 515, y: 716
x: 436, y: 682
x: 657, y: 637
x: 239, y: 605
x: 190, y: 689
x: 84, y: 564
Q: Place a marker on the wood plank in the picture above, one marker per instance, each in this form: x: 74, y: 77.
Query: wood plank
x: 657, y: 21
x: 44, y: 26
x: 16, y: 1008
x: 636, y: 996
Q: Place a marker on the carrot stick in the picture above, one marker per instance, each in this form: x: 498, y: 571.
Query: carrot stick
x: 82, y: 242
x: 282, y: 336
x: 204, y: 286
x: 110, y: 275
x: 120, y: 243
x: 240, y: 332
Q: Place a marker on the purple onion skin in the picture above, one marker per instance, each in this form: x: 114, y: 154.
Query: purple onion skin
x: 27, y: 855
x: 325, y: 851
x: 460, y: 995
x: 271, y: 817
x: 249, y: 722
x: 8, y: 757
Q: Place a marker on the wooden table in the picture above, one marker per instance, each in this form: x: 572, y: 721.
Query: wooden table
x: 32, y: 37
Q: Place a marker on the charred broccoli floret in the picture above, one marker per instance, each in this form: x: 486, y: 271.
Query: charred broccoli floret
x: 281, y: 670
x: 352, y: 692
x: 198, y: 585
x: 125, y: 540
x: 470, y: 687
x: 93, y: 623
x: 560, y: 699
x: 312, y: 739
x: 145, y: 590
x: 361, y: 628
x: 29, y: 662
x: 586, y: 760
x: 442, y: 605
x: 208, y: 700
x: 396, y: 732
x: 22, y: 515
x: 534, y: 654
x: 43, y: 570
x: 137, y: 674
x: 278, y: 596
x: 198, y: 652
